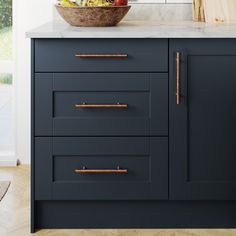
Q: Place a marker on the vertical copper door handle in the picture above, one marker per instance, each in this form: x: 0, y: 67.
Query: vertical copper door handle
x: 178, y: 59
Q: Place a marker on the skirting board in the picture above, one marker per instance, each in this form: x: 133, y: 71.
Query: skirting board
x: 8, y: 159
x: 134, y: 214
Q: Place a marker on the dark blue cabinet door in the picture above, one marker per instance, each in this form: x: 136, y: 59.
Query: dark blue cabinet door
x: 58, y: 95
x: 203, y: 125
x: 58, y: 158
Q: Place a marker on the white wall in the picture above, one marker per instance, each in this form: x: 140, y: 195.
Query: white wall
x: 27, y: 15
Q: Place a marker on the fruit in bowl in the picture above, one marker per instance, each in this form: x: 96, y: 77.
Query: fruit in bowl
x: 92, y: 3
x: 98, y: 3
x: 120, y: 3
x: 66, y: 3
x: 94, y: 13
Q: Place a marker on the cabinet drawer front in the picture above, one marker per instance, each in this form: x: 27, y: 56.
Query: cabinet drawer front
x: 86, y: 104
x: 101, y: 55
x: 110, y: 168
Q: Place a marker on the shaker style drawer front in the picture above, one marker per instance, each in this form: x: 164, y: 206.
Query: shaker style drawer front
x: 108, y: 168
x: 101, y: 55
x: 104, y: 104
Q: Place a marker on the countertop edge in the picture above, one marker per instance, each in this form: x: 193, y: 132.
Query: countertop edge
x: 136, y: 29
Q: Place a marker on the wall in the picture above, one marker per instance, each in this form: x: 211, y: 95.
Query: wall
x: 30, y: 14
x: 160, y: 12
x: 27, y: 15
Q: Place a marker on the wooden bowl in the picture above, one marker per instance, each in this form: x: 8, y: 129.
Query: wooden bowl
x: 93, y: 16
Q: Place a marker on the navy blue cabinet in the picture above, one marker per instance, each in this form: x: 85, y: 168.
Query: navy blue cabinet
x: 133, y: 133
x: 203, y: 124
x: 99, y: 123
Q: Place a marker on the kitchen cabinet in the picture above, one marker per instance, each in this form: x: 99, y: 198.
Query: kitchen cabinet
x: 203, y: 124
x: 133, y: 133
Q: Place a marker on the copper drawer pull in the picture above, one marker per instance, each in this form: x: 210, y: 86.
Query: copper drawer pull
x: 85, y: 170
x: 102, y: 55
x: 85, y: 105
x: 178, y: 78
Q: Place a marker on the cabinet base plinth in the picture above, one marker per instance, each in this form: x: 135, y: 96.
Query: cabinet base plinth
x: 135, y: 214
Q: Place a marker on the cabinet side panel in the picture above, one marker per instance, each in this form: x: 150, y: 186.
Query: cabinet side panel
x: 32, y: 227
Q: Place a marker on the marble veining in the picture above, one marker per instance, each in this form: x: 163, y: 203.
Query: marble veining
x: 137, y: 29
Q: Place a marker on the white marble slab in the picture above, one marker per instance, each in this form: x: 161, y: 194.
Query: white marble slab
x: 137, y: 29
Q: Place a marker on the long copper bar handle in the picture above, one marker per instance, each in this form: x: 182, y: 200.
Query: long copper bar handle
x: 85, y: 170
x: 85, y: 105
x: 116, y: 55
x: 178, y: 58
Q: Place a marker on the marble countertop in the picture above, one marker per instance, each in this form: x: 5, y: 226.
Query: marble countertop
x: 136, y: 29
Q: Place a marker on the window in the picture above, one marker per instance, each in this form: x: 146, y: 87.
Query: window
x: 6, y: 79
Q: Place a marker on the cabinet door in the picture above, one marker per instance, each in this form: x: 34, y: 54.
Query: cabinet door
x: 203, y: 124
